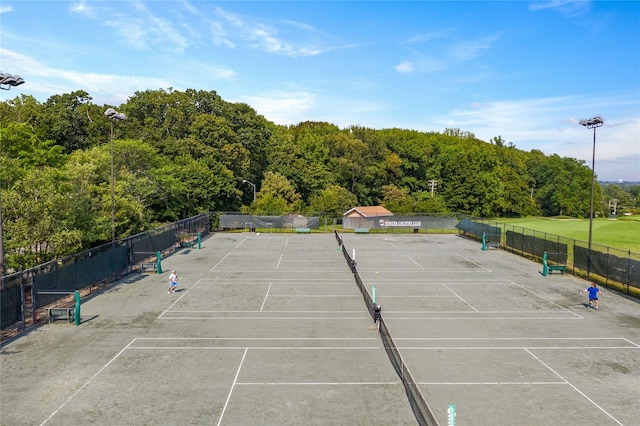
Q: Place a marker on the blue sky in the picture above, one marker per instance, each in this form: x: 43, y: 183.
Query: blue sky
x: 527, y: 71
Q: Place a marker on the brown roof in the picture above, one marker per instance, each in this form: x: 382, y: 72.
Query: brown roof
x: 368, y: 211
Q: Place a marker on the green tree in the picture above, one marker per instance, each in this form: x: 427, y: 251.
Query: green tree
x: 277, y: 192
x: 332, y: 199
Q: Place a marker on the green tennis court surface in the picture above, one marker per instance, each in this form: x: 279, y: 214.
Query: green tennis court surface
x: 272, y: 330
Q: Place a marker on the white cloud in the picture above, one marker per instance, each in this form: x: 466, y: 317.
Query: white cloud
x: 404, y: 67
x: 45, y: 81
x: 468, y: 50
x: 282, y: 107
x: 424, y: 37
x: 565, y: 7
x: 138, y: 27
x: 5, y: 9
x: 261, y: 36
x: 551, y: 125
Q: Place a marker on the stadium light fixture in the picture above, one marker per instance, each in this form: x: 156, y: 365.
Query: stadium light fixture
x: 592, y: 123
x: 115, y: 117
x: 7, y: 81
x: 254, y: 188
x: 10, y: 80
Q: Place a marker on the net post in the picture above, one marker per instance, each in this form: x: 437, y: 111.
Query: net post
x: 545, y: 266
x: 199, y: 239
x: 451, y: 415
x: 484, y: 241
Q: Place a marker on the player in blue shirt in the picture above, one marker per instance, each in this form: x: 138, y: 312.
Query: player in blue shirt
x: 593, y: 295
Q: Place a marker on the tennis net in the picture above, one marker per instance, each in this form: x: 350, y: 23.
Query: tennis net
x: 421, y: 409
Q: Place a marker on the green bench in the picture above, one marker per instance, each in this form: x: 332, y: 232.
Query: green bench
x: 303, y: 230
x: 149, y: 266
x: 548, y: 268
x: 55, y: 313
x: 362, y: 230
x: 560, y: 268
x: 187, y: 244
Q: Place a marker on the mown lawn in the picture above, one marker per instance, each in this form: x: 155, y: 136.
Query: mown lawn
x: 622, y: 233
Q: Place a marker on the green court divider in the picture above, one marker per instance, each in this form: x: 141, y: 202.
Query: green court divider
x: 199, y: 239
x: 159, y: 262
x: 76, y: 315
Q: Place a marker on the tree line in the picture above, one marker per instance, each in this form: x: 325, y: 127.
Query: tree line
x: 182, y: 153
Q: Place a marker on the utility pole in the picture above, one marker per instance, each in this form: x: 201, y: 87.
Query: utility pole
x: 432, y: 184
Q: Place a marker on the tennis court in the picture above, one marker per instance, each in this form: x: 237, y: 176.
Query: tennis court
x: 485, y: 332
x: 271, y: 329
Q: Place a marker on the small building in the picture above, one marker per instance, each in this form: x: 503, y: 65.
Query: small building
x: 368, y: 211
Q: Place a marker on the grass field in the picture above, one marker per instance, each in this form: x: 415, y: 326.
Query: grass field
x: 623, y: 233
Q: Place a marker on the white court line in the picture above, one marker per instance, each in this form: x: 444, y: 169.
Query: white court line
x: 547, y: 299
x: 472, y: 271
x: 184, y: 293
x: 437, y: 282
x: 256, y: 338
x: 460, y: 297
x: 86, y: 383
x: 491, y: 383
x: 418, y: 297
x: 506, y: 348
x: 471, y: 261
x: 633, y: 343
x: 457, y: 339
x: 219, y: 261
x: 316, y: 383
x: 337, y: 268
x: 460, y: 312
x: 235, y: 379
x: 575, y: 388
x: 420, y: 266
x: 240, y: 243
x: 265, y: 297
x: 287, y: 348
x: 254, y: 319
x: 271, y: 312
x: 301, y: 281
x: 279, y: 260
x: 317, y: 295
x: 481, y: 318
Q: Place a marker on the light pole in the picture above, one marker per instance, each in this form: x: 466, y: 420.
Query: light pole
x: 7, y: 81
x: 592, y: 123
x: 114, y: 116
x: 254, y: 188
